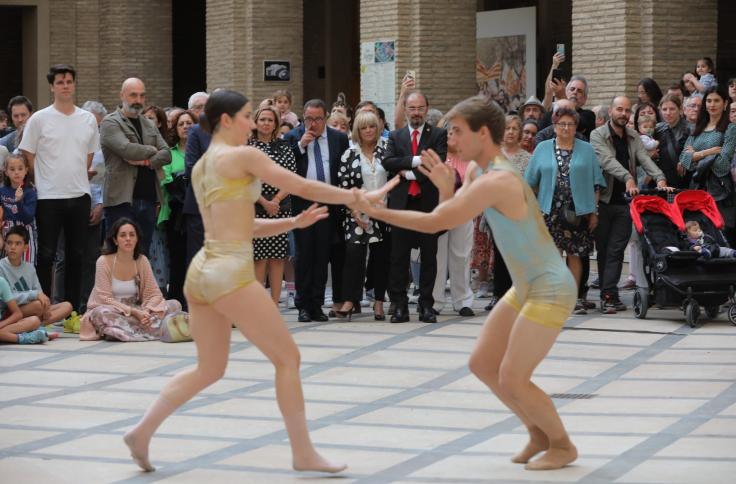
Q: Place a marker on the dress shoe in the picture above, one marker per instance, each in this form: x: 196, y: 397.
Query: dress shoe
x: 304, y: 316
x: 391, y: 308
x: 378, y: 313
x: 466, y: 312
x: 401, y: 315
x: 427, y: 316
x: 332, y: 313
x: 318, y: 315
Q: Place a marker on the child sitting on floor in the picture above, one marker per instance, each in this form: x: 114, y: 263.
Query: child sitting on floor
x: 704, y: 243
x: 14, y: 328
x: 23, y: 281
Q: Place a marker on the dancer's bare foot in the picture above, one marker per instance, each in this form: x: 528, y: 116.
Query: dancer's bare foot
x: 138, y: 451
x: 317, y: 463
x: 538, y: 442
x: 554, y: 458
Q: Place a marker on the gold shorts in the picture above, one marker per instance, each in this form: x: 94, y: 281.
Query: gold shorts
x: 548, y: 312
x: 219, y: 268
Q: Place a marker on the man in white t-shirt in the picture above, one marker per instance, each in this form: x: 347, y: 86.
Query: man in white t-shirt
x: 59, y: 142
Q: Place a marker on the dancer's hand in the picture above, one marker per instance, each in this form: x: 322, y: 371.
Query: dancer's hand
x: 376, y: 196
x: 439, y: 173
x: 313, y: 214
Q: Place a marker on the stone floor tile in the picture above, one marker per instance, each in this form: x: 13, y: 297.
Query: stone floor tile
x: 52, y: 378
x: 12, y: 392
x: 374, y: 376
x: 251, y: 407
x: 695, y: 356
x: 28, y: 470
x: 718, y: 426
x: 13, y: 437
x: 410, y: 359
x: 672, y: 471
x: 684, y: 372
x: 424, y: 417
x: 457, y: 400
x: 437, y: 343
x: 634, y: 388
x: 335, y: 338
x: 588, y: 445
x: 13, y: 357
x: 383, y: 438
x: 70, y: 418
x: 627, y: 406
x: 216, y: 476
x: 338, y: 393
x: 576, y: 351
x: 108, y: 363
x: 232, y: 428
x: 700, y: 447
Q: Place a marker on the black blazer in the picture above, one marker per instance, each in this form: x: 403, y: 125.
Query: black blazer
x: 337, y: 143
x: 399, y: 157
x: 197, y: 143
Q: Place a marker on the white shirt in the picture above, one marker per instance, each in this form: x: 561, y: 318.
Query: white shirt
x: 417, y: 159
x: 373, y: 173
x: 61, y: 144
x: 325, y: 151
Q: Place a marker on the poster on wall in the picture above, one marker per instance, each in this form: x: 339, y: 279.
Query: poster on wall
x: 378, y: 74
x: 505, y: 63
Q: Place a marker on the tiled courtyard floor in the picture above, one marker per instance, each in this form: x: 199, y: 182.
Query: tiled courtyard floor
x: 394, y: 401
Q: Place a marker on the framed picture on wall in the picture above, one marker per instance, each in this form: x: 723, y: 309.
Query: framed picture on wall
x: 505, y: 63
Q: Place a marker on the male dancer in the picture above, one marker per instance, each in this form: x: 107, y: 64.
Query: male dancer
x: 522, y: 327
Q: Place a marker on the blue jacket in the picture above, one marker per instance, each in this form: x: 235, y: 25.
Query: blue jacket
x: 585, y: 173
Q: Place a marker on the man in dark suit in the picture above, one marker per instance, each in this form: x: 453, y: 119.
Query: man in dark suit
x: 197, y: 143
x: 414, y: 192
x: 318, y: 149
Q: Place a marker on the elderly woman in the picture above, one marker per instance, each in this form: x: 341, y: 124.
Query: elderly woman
x: 269, y: 253
x: 361, y: 167
x: 567, y: 177
x: 511, y: 146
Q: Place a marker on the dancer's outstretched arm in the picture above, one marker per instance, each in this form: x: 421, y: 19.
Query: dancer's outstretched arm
x: 260, y: 165
x: 263, y: 227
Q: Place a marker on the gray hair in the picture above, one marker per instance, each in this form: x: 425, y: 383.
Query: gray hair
x: 434, y: 116
x: 95, y: 107
x: 194, y: 97
x: 581, y: 79
x: 556, y: 105
x: 602, y: 113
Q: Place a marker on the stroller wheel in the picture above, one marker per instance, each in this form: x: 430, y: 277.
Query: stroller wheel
x: 732, y: 314
x: 641, y: 303
x: 711, y: 312
x: 692, y: 314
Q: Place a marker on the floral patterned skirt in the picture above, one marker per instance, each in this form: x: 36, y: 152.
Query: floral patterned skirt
x: 574, y: 241
x: 482, y: 254
x: 111, y: 324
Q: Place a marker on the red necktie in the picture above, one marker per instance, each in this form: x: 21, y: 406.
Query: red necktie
x: 414, y: 189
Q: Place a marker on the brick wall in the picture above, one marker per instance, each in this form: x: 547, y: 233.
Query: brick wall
x: 434, y: 38
x: 618, y: 42
x: 241, y: 34
x: 108, y: 41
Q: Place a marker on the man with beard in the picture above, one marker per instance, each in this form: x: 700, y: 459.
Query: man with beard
x: 620, y: 151
x: 414, y: 192
x: 59, y: 142
x: 133, y: 149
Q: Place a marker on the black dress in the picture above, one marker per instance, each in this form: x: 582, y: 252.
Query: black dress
x: 274, y: 247
x: 573, y: 240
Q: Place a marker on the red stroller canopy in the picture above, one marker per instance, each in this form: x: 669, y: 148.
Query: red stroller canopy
x: 698, y: 201
x: 654, y: 204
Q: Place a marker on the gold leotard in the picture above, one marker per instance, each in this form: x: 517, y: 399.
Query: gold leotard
x: 221, y: 266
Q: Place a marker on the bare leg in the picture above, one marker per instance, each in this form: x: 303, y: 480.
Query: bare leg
x: 24, y: 325
x: 528, y: 344
x: 57, y: 312
x: 211, y: 334
x: 33, y: 308
x: 261, y: 323
x: 260, y: 268
x: 485, y: 363
x: 275, y: 276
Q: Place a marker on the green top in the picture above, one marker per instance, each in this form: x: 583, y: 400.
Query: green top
x: 176, y: 166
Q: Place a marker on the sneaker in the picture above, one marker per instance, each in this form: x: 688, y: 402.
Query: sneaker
x: 588, y: 304
x: 608, y: 306
x: 290, y: 304
x: 71, y: 324
x: 492, y: 303
x: 618, y: 305
x: 629, y: 285
x: 33, y: 337
x: 580, y: 308
x: 482, y: 292
x: 596, y: 284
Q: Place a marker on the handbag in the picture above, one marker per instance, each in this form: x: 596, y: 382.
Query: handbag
x: 175, y: 328
x: 571, y: 218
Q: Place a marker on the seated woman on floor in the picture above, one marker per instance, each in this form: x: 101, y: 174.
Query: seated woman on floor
x: 126, y: 303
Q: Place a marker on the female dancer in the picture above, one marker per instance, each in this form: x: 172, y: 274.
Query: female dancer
x: 218, y: 284
x: 522, y: 327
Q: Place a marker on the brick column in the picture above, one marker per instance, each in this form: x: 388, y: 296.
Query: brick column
x: 434, y: 38
x: 618, y: 42
x: 241, y: 34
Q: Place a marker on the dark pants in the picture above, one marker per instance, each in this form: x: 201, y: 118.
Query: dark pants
x: 143, y: 212
x: 611, y: 238
x: 310, y: 265
x: 195, y: 236
x: 72, y: 216
x: 337, y: 264
x: 402, y: 241
x: 176, y: 240
x: 501, y: 277
x: 583, y: 287
x: 355, y: 270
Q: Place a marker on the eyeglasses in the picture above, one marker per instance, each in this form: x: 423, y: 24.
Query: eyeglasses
x: 566, y: 125
x: 314, y: 120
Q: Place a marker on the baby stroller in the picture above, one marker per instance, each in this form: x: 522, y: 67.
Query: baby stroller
x: 674, y: 275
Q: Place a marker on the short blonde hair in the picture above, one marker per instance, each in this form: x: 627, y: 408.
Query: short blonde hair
x: 277, y: 120
x: 363, y: 119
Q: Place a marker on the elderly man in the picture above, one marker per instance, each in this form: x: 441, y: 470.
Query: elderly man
x: 575, y: 91
x: 620, y: 152
x: 197, y: 101
x: 134, y: 150
x: 692, y: 110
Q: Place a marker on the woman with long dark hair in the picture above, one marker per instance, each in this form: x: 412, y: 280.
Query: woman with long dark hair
x: 649, y: 91
x: 219, y: 285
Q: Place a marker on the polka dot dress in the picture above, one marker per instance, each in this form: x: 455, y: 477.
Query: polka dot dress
x: 273, y: 247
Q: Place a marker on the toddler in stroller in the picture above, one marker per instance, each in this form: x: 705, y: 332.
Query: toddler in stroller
x: 704, y: 244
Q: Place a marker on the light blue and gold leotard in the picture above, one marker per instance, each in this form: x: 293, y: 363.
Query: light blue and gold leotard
x: 544, y: 289
x: 221, y: 266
